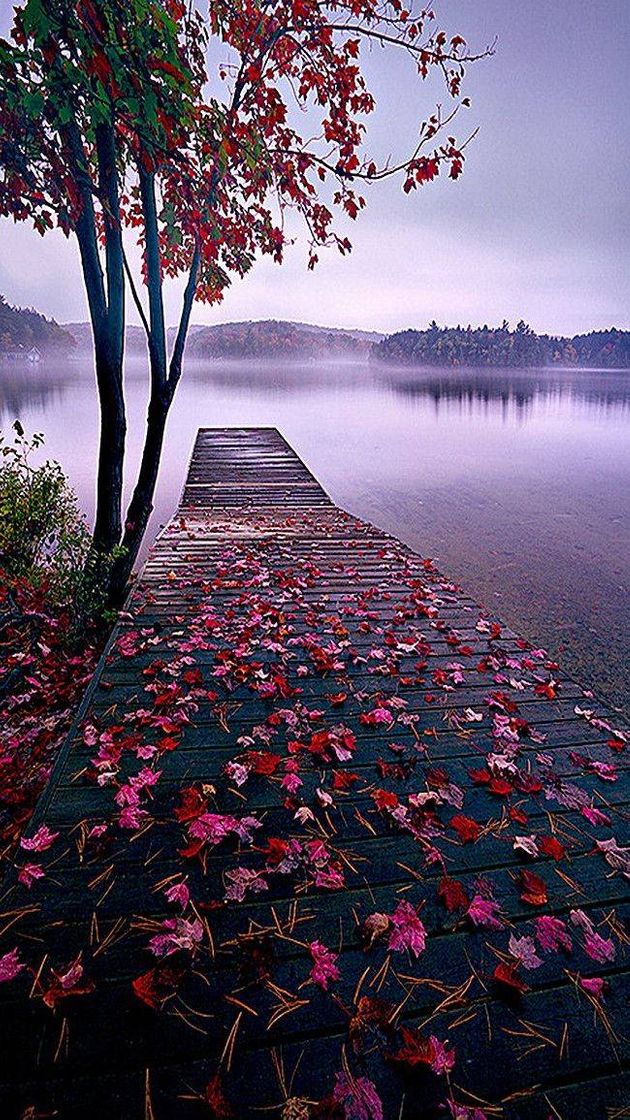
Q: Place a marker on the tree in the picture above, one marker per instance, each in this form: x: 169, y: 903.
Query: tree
x: 111, y: 120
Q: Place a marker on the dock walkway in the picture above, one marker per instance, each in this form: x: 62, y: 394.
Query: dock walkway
x: 327, y: 841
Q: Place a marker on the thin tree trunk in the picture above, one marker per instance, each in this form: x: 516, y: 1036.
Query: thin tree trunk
x: 109, y: 380
x: 106, y: 308
x: 141, y: 504
x: 109, y: 361
x: 163, y: 386
x: 111, y: 452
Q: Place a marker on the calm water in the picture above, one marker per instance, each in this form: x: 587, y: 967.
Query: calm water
x: 517, y: 482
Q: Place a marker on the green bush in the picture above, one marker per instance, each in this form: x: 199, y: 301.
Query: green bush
x: 44, y: 538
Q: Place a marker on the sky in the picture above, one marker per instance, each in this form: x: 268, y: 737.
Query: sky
x: 537, y: 227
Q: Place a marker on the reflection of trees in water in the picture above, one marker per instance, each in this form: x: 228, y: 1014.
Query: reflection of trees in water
x: 511, y: 393
x: 21, y: 390
x: 508, y: 394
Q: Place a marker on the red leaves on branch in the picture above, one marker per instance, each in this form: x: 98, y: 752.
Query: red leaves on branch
x: 229, y: 165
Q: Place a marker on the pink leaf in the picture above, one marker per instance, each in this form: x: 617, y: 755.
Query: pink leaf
x: 594, y: 985
x: 483, y: 912
x: 407, y: 930
x: 324, y: 965
x: 598, y: 948
x: 10, y: 966
x: 29, y: 873
x: 524, y: 950
x: 358, y: 1097
x: 552, y: 934
x: 40, y: 841
x: 178, y: 933
x: 178, y: 893
x: 242, y: 880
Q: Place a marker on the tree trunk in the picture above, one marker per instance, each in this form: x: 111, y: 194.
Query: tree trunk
x: 113, y: 430
x: 141, y: 504
x: 106, y: 302
x: 110, y: 349
x: 163, y: 386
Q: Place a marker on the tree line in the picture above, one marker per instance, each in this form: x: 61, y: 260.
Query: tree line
x: 504, y: 347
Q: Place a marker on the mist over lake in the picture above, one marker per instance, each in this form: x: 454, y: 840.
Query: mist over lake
x: 517, y: 483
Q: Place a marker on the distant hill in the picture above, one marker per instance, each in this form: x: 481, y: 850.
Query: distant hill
x: 82, y: 334
x: 501, y: 347
x: 278, y: 339
x: 22, y: 330
x: 256, y: 339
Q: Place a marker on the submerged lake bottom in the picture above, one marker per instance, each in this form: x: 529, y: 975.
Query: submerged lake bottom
x: 516, y: 482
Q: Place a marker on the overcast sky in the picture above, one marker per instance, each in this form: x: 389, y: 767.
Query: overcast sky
x: 537, y: 227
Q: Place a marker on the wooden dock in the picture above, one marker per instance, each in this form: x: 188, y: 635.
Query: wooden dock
x: 327, y: 841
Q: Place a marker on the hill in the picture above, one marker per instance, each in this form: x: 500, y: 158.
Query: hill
x: 82, y: 334
x: 22, y: 329
x: 279, y: 339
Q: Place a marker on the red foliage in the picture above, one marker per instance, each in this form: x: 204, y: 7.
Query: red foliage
x: 226, y: 163
x: 157, y: 985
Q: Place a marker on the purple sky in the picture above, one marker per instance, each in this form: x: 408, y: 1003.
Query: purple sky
x: 537, y: 227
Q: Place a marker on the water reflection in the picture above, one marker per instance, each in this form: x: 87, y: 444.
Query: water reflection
x: 26, y: 390
x: 513, y: 393
x: 508, y: 394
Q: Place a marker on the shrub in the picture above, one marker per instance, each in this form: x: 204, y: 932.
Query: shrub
x: 44, y: 538
x: 51, y: 623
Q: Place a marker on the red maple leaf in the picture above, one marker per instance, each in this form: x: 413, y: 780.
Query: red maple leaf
x: 157, y: 985
x: 506, y: 974
x: 467, y: 829
x: 533, y: 888
x: 343, y: 779
x: 452, y: 894
x: 384, y: 799
x: 551, y: 847
x: 220, y: 1109
x: 192, y: 804
x: 418, y: 1050
x: 501, y: 787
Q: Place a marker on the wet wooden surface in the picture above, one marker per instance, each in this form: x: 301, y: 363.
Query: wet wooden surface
x: 392, y: 741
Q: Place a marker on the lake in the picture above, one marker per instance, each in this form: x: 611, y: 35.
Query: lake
x: 516, y: 482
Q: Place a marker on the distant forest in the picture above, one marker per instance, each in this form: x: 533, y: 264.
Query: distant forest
x: 502, y: 347
x: 267, y: 340
x: 21, y: 329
